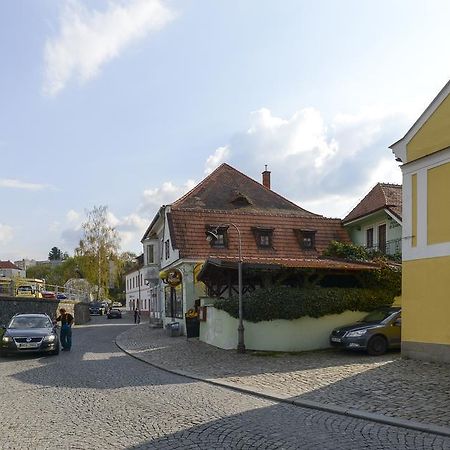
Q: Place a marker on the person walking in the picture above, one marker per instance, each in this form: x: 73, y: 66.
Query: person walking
x: 137, y: 316
x: 65, y: 335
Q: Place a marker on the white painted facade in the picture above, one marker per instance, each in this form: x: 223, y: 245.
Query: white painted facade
x: 420, y: 168
x: 304, y: 334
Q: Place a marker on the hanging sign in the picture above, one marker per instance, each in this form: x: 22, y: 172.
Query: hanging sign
x: 172, y: 277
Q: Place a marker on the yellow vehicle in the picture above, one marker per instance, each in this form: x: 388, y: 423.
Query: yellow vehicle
x: 29, y: 287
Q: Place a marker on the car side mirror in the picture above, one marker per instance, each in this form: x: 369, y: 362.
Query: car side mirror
x: 397, y: 323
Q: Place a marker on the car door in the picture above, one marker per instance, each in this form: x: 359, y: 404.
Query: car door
x: 395, y: 330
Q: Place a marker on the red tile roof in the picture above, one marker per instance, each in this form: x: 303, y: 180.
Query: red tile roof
x: 227, y: 196
x: 308, y: 263
x: 190, y: 226
x: 8, y: 265
x: 227, y: 189
x: 382, y: 196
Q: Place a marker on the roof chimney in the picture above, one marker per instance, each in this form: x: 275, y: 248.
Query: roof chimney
x: 266, y: 178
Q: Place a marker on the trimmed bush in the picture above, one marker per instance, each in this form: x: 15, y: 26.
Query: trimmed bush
x: 292, y: 303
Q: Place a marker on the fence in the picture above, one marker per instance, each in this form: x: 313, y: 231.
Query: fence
x: 32, y: 289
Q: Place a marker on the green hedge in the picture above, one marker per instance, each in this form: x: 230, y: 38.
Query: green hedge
x: 292, y: 303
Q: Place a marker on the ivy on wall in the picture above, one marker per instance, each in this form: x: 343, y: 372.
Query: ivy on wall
x: 292, y: 303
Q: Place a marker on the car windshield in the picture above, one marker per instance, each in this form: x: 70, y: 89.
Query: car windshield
x: 25, y: 288
x: 378, y: 316
x: 30, y: 322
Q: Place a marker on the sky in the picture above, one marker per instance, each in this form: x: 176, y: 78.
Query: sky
x: 130, y: 103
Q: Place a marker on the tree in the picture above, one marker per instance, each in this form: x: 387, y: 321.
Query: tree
x: 125, y: 261
x: 97, y: 249
x: 55, y: 254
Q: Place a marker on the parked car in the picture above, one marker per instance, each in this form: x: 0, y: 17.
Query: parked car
x: 61, y: 296
x: 117, y: 305
x: 114, y: 313
x: 375, y: 333
x: 27, y: 333
x: 27, y: 290
x: 48, y: 295
x: 97, y: 308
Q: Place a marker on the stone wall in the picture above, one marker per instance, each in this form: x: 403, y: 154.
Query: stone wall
x: 13, y: 305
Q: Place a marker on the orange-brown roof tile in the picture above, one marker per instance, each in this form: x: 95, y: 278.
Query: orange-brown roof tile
x: 190, y: 226
x: 8, y: 265
x: 382, y: 196
x: 228, y: 189
x: 304, y: 263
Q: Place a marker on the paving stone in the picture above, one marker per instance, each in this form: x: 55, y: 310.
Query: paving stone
x: 386, y: 385
x: 97, y: 397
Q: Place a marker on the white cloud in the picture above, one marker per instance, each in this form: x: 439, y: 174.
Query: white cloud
x: 88, y: 39
x: 73, y: 216
x: 17, y: 184
x: 166, y: 194
x: 216, y: 159
x: 325, y: 168
x: 6, y: 233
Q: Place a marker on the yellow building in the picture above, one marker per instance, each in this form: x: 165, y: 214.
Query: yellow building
x: 425, y: 154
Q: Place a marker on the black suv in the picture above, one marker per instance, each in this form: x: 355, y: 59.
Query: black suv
x: 28, y: 333
x: 375, y: 333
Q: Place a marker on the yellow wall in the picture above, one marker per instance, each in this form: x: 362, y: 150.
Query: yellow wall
x: 434, y: 135
x: 426, y: 300
x: 439, y: 204
x: 414, y: 210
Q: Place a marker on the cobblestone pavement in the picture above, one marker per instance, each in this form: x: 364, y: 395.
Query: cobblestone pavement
x: 97, y: 397
x: 386, y: 385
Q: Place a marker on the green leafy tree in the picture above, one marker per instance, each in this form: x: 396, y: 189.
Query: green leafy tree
x: 98, y: 247
x: 55, y: 254
x: 125, y: 261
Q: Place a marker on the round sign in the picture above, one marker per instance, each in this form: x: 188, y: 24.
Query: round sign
x: 172, y: 277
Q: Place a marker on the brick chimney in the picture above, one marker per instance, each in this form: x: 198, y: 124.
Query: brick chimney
x: 266, y: 178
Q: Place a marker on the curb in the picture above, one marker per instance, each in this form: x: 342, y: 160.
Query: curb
x: 309, y: 404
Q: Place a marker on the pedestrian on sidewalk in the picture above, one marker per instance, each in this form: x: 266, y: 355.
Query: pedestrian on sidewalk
x: 137, y: 316
x: 65, y: 335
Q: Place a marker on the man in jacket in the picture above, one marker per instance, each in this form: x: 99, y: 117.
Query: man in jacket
x: 65, y: 335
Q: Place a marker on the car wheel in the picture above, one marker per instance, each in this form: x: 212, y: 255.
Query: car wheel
x: 377, y: 346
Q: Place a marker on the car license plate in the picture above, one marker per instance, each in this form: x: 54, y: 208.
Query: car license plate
x: 335, y: 339
x: 28, y: 345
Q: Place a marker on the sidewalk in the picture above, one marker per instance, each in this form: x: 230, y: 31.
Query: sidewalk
x: 385, y: 389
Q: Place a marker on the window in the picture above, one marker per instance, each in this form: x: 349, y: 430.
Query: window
x: 306, y: 239
x: 173, y: 302
x: 222, y: 236
x: 263, y: 237
x: 167, y: 249
x: 150, y: 254
x: 369, y: 238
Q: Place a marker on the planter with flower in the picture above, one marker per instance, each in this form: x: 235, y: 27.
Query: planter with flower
x: 192, y: 323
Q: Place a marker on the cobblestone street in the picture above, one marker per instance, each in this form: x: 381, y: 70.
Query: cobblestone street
x: 97, y: 397
x: 386, y: 385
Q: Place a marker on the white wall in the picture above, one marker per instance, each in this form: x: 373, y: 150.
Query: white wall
x: 307, y: 333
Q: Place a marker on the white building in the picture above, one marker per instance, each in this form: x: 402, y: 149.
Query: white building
x: 9, y: 269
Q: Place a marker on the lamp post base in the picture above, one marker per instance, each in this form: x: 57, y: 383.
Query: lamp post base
x: 241, y: 345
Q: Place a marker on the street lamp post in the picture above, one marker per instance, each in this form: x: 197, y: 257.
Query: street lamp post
x: 213, y: 235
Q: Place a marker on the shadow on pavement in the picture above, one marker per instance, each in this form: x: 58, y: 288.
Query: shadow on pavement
x: 94, y: 362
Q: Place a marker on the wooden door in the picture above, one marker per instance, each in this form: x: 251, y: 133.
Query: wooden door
x: 382, y: 238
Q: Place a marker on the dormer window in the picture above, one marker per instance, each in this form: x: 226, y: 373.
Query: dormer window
x: 221, y: 236
x: 240, y: 200
x: 263, y: 237
x: 306, y: 239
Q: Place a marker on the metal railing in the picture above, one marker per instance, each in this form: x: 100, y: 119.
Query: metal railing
x: 13, y: 288
x: 392, y: 248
